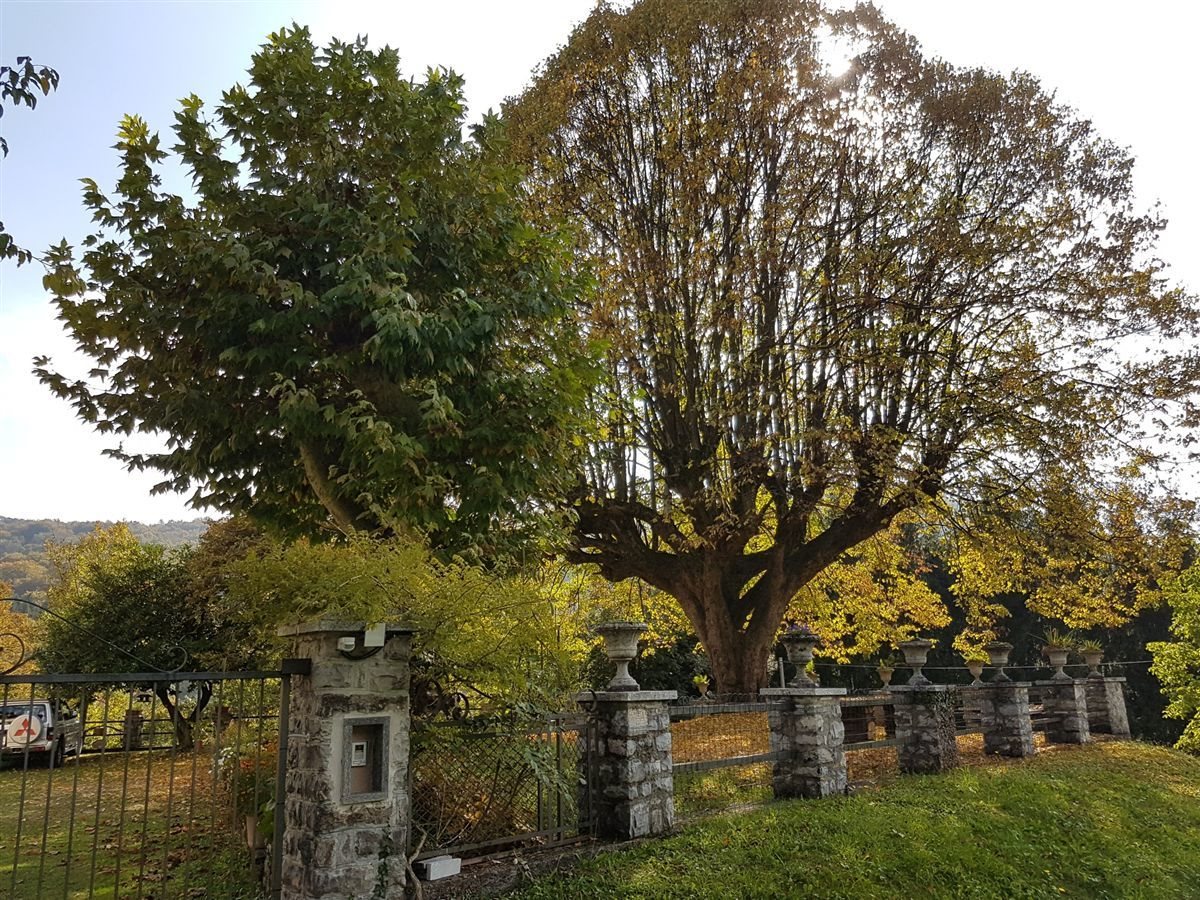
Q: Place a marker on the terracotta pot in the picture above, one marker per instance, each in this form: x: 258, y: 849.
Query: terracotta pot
x: 621, y: 643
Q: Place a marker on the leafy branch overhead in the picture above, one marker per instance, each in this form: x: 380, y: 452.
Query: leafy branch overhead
x: 20, y: 85
x: 354, y: 322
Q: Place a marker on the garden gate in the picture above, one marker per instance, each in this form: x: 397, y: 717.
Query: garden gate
x: 142, y: 784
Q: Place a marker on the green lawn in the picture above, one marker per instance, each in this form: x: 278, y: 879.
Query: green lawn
x: 173, y: 835
x: 1105, y: 821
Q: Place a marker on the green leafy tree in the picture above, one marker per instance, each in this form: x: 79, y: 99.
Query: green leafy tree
x: 117, y: 605
x: 1177, y: 662
x: 831, y: 297
x: 355, y: 322
x: 20, y: 85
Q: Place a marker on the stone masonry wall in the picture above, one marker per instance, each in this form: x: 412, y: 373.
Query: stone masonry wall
x: 1106, y: 706
x: 631, y: 779
x: 1007, y: 729
x: 807, y: 729
x: 1065, y: 704
x: 333, y: 848
x: 925, y: 729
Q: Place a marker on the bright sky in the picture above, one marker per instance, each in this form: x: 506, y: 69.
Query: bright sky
x: 1128, y: 66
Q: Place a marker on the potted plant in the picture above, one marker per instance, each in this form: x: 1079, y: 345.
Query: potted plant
x: 1057, y: 647
x: 701, y: 683
x: 1092, y: 653
x: 997, y: 652
x: 799, y: 641
x: 620, y: 643
x: 916, y: 653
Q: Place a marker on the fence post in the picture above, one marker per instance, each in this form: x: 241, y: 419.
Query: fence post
x: 1004, y: 709
x: 808, y: 733
x: 633, y: 792
x: 346, y: 809
x: 1065, y: 703
x: 925, y: 728
x: 1106, y: 706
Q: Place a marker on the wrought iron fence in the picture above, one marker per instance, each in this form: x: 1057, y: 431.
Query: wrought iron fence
x: 139, y: 784
x: 485, y: 785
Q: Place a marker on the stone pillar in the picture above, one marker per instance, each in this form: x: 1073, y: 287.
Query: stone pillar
x: 1007, y: 729
x: 1106, y: 706
x: 631, y: 786
x: 1065, y: 704
x: 925, y: 728
x: 807, y: 732
x: 346, y: 807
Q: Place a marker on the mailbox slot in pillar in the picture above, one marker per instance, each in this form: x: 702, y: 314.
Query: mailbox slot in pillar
x: 364, y: 759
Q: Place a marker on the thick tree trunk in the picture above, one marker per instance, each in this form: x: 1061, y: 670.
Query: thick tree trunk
x: 738, y: 660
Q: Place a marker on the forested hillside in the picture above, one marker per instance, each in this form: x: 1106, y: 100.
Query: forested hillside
x: 23, y: 560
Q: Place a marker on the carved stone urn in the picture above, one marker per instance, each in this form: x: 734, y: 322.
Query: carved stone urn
x: 1092, y: 658
x: 916, y: 653
x: 975, y: 667
x: 997, y: 652
x: 620, y: 643
x: 799, y: 646
x: 885, y: 674
x: 1058, y: 658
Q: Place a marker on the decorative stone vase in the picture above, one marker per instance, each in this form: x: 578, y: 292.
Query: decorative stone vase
x: 885, y: 674
x: 702, y: 687
x: 799, y: 647
x: 975, y: 667
x: 620, y: 643
x: 916, y: 652
x: 1092, y: 658
x: 997, y: 652
x: 1058, y: 659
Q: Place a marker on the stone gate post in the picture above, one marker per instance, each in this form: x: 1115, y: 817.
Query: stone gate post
x: 631, y: 783
x: 1064, y: 701
x: 808, y: 733
x: 345, y: 813
x: 1106, y: 706
x: 1007, y: 728
x: 925, y: 728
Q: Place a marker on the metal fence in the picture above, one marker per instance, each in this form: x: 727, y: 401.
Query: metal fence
x: 139, y: 784
x: 486, y: 785
x: 722, y: 755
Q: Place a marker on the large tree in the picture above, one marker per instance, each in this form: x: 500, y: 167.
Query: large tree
x: 831, y: 296
x: 353, y: 321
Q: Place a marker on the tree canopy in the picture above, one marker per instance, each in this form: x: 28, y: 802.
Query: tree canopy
x: 354, y: 321
x: 831, y: 297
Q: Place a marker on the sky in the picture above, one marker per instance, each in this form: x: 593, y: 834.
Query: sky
x: 1127, y: 66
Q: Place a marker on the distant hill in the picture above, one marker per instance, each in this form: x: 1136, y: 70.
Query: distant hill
x: 23, y: 560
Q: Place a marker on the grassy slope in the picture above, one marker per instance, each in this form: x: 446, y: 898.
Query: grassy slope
x: 1109, y: 820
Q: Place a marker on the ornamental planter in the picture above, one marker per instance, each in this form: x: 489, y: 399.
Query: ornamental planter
x: 799, y: 648
x: 885, y: 674
x: 997, y: 652
x: 1092, y: 658
x: 916, y: 652
x: 620, y: 643
x: 1058, y: 659
x: 975, y: 667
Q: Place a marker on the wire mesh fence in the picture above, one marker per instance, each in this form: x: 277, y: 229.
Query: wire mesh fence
x: 137, y: 785
x: 484, y: 785
x: 721, y: 753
